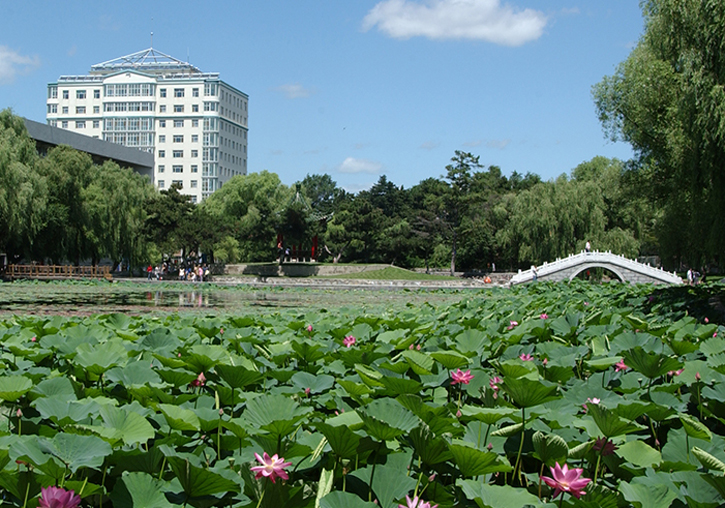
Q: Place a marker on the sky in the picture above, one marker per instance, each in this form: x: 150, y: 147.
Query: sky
x: 358, y: 89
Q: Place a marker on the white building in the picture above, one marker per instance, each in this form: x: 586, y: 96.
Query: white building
x: 194, y: 123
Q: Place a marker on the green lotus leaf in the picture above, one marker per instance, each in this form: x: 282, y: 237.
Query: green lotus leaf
x: 651, y: 365
x: 388, y: 484
x: 276, y: 414
x: 99, y: 358
x: 237, y: 376
x: 133, y: 374
x: 77, y: 451
x: 179, y: 418
x: 708, y: 460
x: 131, y: 427
x: 59, y: 388
x: 609, y: 423
x: 550, y: 448
x: 14, y: 387
x: 176, y: 377
x: 421, y: 363
x: 354, y: 389
x: 342, y: 440
x: 473, y: 462
x: 339, y: 499
x: 398, y: 385
x: 316, y: 384
x: 369, y: 376
x: 639, y: 454
x: 695, y: 428
x: 386, y: 419
x: 197, y: 481
x: 431, y: 449
x: 647, y: 496
x: 472, y: 341
x: 497, y: 496
x: 451, y: 360
x: 487, y: 415
x: 139, y: 490
x: 526, y: 392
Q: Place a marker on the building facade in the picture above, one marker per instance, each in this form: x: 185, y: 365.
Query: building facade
x: 194, y: 123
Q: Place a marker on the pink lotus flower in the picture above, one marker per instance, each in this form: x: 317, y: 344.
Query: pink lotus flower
x: 461, y: 377
x: 56, y: 497
x: 544, y: 316
x: 200, y: 380
x: 272, y: 467
x: 566, y: 480
x: 675, y: 372
x: 349, y: 341
x: 605, y: 446
x: 417, y: 347
x: 595, y: 400
x: 512, y: 324
x: 221, y: 331
x: 415, y: 503
x: 545, y: 361
x: 309, y: 328
x: 307, y: 390
x: 620, y: 365
x: 697, y: 376
x: 526, y: 357
x: 707, y: 320
x: 33, y: 339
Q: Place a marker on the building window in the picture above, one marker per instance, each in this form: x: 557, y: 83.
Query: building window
x: 162, y: 168
x: 194, y: 138
x: 195, y: 108
x: 178, y: 154
x: 52, y: 108
x: 177, y: 168
x: 52, y: 92
x: 193, y: 184
x: 162, y: 124
x: 64, y: 124
x: 177, y: 183
x: 53, y: 123
x: 195, y: 92
x: 194, y: 154
x: 178, y: 92
x: 65, y: 94
x: 161, y: 184
x: 80, y: 124
x: 194, y: 168
x: 64, y: 110
x: 80, y: 94
x: 178, y: 138
x: 162, y: 154
x: 96, y: 124
x: 178, y: 108
x: 162, y: 108
x: 96, y: 94
x: 96, y: 110
x: 162, y: 92
x: 193, y: 199
x: 178, y: 123
x: 80, y: 110
x: 162, y: 138
x: 209, y: 89
x: 195, y: 123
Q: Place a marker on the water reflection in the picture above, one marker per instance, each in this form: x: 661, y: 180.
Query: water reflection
x: 180, y: 298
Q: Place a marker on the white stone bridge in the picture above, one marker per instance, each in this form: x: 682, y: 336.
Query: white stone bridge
x: 626, y: 270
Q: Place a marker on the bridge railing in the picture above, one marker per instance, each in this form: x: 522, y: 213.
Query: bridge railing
x: 58, y: 272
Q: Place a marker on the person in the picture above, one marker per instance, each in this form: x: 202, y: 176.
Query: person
x: 588, y: 247
x: 535, y: 273
x: 149, y: 271
x: 690, y: 276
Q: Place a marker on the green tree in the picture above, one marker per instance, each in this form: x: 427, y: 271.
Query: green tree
x: 23, y: 192
x: 458, y: 175
x: 668, y: 100
x: 250, y: 205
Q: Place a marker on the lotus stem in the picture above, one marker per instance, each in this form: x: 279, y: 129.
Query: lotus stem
x: 596, y: 469
x: 521, y: 446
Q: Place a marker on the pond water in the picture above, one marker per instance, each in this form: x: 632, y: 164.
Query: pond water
x: 138, y: 298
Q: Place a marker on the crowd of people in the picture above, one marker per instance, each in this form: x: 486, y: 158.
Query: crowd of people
x: 193, y: 273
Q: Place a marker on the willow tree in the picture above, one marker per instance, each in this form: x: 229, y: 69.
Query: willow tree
x: 668, y: 100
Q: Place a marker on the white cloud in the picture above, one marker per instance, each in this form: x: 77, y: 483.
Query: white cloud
x: 498, y: 143
x: 352, y: 165
x: 294, y: 91
x: 485, y: 20
x: 430, y: 145
x: 13, y: 63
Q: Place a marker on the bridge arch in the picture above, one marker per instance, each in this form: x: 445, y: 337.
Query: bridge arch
x: 588, y: 266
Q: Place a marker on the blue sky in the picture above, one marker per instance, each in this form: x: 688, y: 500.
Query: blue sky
x: 359, y: 88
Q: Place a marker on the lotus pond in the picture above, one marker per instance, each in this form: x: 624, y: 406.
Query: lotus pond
x: 464, y: 404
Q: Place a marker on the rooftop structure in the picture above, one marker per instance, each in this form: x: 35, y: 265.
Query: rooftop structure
x: 193, y: 122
